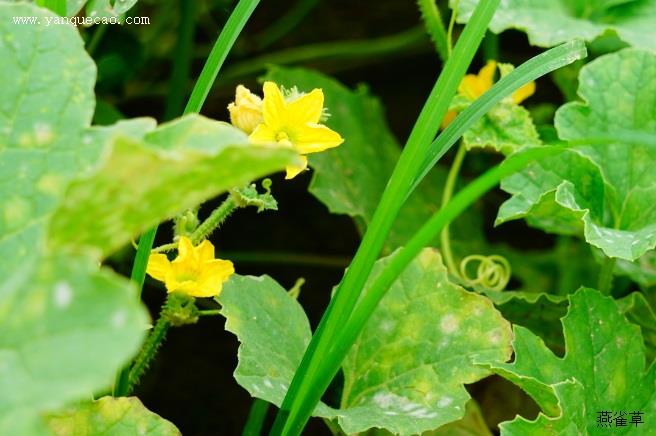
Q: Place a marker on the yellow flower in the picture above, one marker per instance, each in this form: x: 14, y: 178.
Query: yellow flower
x: 475, y: 85
x: 194, y: 272
x: 294, y: 124
x: 246, y: 110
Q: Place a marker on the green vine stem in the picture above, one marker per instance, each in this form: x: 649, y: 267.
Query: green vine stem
x: 224, y: 42
x: 216, y: 218
x: 149, y: 348
x: 449, y: 186
x: 605, y: 283
x: 432, y: 18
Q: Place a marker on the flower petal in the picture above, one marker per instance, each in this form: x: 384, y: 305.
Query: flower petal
x: 293, y: 171
x: 205, y: 251
x: 215, y: 273
x: 185, y: 248
x: 306, y: 109
x: 313, y: 138
x: 475, y: 85
x: 524, y: 92
x: 158, y: 266
x: 448, y: 119
x: 263, y: 134
x: 273, y: 108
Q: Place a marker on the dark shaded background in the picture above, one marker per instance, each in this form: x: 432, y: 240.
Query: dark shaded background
x: 190, y: 382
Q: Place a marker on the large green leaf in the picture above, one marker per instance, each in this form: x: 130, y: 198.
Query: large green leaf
x: 552, y: 22
x: 350, y: 179
x: 66, y: 328
x: 406, y: 371
x: 273, y: 331
x: 42, y: 116
x: 603, y: 370
x: 112, y: 417
x: 138, y: 184
x: 505, y: 128
x: 606, y: 187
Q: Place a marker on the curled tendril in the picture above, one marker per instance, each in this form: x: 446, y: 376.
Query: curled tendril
x: 266, y: 184
x: 493, y: 272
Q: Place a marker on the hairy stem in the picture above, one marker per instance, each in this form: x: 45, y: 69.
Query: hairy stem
x: 216, y: 218
x: 149, y: 348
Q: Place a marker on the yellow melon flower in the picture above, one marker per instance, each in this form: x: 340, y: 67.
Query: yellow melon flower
x: 475, y: 85
x: 294, y: 123
x: 194, y: 272
x: 246, y: 110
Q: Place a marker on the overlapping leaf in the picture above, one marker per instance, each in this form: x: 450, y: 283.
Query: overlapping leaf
x: 552, y: 22
x: 66, y: 328
x: 110, y: 416
x: 603, y: 368
x: 178, y: 165
x: 604, y: 188
x: 406, y: 371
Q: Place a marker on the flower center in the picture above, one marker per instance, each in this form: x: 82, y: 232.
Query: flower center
x: 282, y: 137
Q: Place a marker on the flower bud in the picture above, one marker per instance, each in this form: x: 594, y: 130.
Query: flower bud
x: 246, y: 110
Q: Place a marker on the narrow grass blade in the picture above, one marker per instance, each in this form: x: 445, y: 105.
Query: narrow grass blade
x: 303, y: 393
x: 532, y: 69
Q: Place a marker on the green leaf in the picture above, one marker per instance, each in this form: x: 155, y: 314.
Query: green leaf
x: 66, y: 328
x: 539, y: 312
x: 472, y: 424
x: 273, y: 331
x: 406, y: 371
x: 505, y: 128
x: 41, y: 116
x: 110, y: 416
x: 603, y: 188
x: 549, y: 23
x: 181, y: 164
x: 350, y: 179
x: 426, y: 332
x: 603, y: 369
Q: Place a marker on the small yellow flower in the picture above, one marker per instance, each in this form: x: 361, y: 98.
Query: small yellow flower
x: 475, y: 85
x: 294, y: 124
x: 246, y: 110
x: 194, y: 272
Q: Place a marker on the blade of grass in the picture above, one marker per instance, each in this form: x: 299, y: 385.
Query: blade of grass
x: 532, y: 69
x: 256, y: 418
x: 383, y: 46
x: 182, y: 57
x: 303, y: 395
x: 224, y: 42
x: 285, y: 24
x: 432, y: 18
